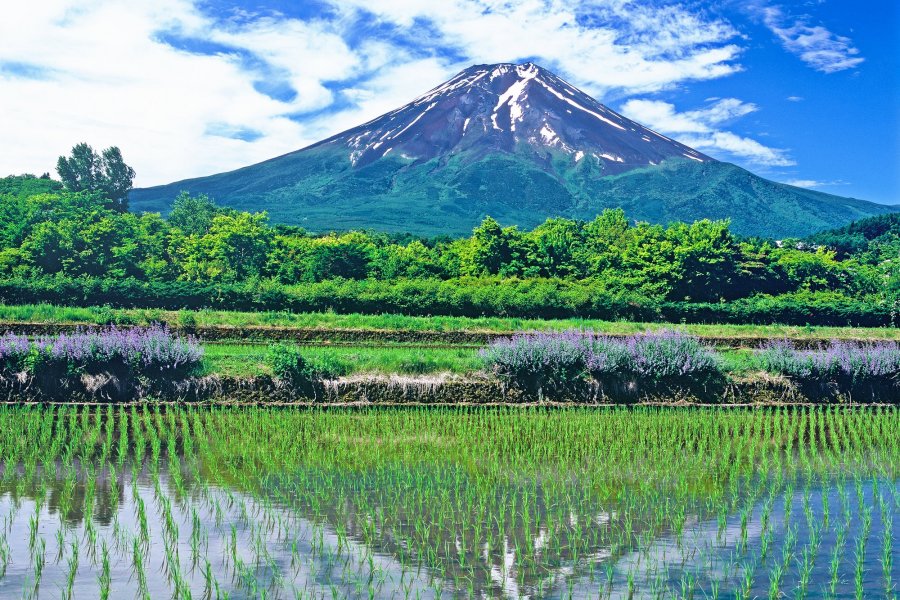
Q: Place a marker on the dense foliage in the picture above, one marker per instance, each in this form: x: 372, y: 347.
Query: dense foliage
x: 76, y: 247
x: 291, y: 366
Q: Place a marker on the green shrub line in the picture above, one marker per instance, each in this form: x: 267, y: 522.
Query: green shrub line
x: 471, y: 297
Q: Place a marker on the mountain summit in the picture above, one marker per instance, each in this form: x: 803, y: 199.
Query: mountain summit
x: 520, y: 144
x: 510, y: 108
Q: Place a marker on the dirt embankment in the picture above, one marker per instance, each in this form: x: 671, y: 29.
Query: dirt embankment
x: 440, y: 390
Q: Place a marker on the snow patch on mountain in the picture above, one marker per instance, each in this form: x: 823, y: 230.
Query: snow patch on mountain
x: 520, y: 108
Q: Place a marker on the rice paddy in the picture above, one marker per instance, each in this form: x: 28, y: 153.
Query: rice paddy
x: 117, y: 502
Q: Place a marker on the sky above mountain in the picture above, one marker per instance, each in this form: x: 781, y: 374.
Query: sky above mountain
x: 802, y: 92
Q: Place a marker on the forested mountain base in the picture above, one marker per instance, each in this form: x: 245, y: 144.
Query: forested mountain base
x: 80, y: 248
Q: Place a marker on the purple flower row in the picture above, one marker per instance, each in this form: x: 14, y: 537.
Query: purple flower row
x: 557, y: 360
x: 13, y: 348
x: 142, y: 350
x: 838, y: 361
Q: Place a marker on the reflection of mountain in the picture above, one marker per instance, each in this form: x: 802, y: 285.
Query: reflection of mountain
x: 503, y: 539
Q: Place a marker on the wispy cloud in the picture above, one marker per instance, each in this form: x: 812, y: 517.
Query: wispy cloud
x: 604, y: 46
x: 185, y: 92
x: 702, y: 129
x: 818, y: 47
x: 812, y: 183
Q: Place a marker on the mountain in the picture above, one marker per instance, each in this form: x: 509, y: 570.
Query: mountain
x: 520, y: 144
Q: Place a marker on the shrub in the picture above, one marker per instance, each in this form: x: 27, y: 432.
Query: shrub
x: 150, y: 352
x: 607, y: 360
x: 14, y: 350
x: 670, y: 357
x: 466, y: 296
x: 290, y: 366
x: 137, y: 358
x: 187, y: 320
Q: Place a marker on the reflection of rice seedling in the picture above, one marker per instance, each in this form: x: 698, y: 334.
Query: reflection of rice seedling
x: 72, y: 570
x: 859, y: 567
x: 104, y: 580
x: 887, y: 546
x: 38, y: 558
x: 4, y: 554
x: 775, y: 577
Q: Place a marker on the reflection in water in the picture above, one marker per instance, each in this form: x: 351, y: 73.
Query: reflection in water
x: 422, y: 504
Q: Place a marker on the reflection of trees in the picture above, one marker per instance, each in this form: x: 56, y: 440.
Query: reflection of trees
x: 65, y: 496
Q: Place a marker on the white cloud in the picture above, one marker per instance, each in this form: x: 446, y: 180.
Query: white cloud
x: 701, y: 129
x: 601, y: 45
x: 794, y: 98
x: 114, y: 83
x: 812, y: 183
x: 105, y: 72
x: 818, y: 47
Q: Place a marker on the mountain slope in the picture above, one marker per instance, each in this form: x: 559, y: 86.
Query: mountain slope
x: 515, y: 142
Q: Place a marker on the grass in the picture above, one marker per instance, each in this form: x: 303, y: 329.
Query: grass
x: 247, y: 360
x: 45, y: 313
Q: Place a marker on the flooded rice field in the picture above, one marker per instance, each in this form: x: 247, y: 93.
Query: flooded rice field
x: 150, y: 502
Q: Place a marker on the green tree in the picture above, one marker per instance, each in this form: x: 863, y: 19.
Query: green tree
x: 556, y: 244
x: 107, y: 173
x: 194, y: 214
x: 605, y: 239
x: 348, y: 257
x: 706, y: 260
x: 496, y: 250
x: 236, y: 248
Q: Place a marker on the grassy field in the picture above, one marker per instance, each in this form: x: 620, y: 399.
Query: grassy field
x: 247, y: 360
x: 44, y: 313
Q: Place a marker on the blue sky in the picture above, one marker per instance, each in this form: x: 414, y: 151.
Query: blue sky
x: 801, y: 92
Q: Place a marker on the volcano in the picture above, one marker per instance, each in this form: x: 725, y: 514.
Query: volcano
x: 516, y: 142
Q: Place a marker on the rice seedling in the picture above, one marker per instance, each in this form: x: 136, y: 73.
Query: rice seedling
x: 216, y: 502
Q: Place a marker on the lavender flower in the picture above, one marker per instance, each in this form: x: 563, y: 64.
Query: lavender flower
x: 13, y: 351
x: 671, y: 355
x: 550, y: 362
x: 838, y: 362
x: 559, y: 361
x: 140, y: 351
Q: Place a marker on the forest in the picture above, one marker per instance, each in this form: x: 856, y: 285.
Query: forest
x: 69, y: 243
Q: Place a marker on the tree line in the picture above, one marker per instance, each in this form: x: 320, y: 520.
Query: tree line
x: 81, y: 228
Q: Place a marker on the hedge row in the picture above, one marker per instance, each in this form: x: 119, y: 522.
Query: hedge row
x: 470, y: 297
